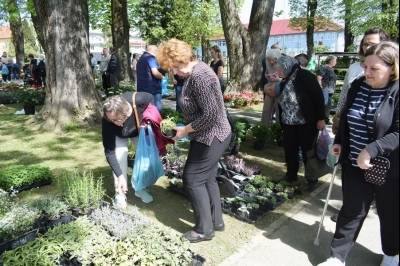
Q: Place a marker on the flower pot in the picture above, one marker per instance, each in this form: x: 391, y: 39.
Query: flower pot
x: 279, y: 142
x: 29, y: 109
x: 243, y: 212
x: 258, y: 145
x: 235, y: 149
x: 237, y: 106
x: 169, y: 133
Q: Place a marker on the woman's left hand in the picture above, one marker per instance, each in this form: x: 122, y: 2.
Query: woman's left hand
x: 363, y: 160
x: 321, y: 124
x: 180, y: 133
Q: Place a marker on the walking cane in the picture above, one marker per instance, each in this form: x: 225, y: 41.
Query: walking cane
x: 321, y: 223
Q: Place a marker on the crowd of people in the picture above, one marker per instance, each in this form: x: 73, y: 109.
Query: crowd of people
x: 301, y: 101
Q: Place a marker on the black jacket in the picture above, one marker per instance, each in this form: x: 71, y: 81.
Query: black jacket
x: 385, y: 128
x: 114, y: 65
x: 129, y: 129
x: 309, y: 96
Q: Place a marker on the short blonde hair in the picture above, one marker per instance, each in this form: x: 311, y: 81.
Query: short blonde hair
x: 173, y: 52
x: 389, y: 53
x: 116, y: 104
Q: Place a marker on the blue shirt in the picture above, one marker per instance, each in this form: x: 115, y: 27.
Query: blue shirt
x: 361, y: 113
x: 146, y: 82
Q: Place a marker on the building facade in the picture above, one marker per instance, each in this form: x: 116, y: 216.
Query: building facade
x: 293, y: 42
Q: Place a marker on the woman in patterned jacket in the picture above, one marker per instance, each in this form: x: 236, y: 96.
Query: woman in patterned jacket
x: 209, y: 131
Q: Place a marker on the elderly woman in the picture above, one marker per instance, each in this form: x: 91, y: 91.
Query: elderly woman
x: 209, y: 131
x: 271, y: 75
x: 369, y: 127
x: 119, y: 125
x: 302, y: 113
x: 327, y: 80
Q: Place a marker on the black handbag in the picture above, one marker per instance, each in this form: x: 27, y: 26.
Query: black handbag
x: 315, y: 168
x: 380, y: 165
x: 377, y: 173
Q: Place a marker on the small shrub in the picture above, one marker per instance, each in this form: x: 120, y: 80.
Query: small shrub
x: 49, y: 205
x: 72, y: 126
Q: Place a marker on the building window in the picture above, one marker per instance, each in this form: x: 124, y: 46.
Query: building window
x: 289, y: 38
x: 223, y: 43
x: 327, y: 36
x: 223, y: 53
x: 321, y: 36
x: 91, y: 47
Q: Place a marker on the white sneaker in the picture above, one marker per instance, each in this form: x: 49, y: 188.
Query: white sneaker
x: 144, y: 195
x: 332, y: 262
x: 120, y: 201
x: 390, y: 261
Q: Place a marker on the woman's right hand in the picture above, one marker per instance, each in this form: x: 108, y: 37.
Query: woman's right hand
x: 336, y: 149
x: 121, y: 186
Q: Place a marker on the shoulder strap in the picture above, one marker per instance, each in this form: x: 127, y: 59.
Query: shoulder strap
x: 135, y: 111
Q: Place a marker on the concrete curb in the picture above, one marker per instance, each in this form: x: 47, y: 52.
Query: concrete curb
x: 257, y: 239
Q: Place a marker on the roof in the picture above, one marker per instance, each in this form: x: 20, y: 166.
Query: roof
x: 5, y: 32
x: 281, y: 27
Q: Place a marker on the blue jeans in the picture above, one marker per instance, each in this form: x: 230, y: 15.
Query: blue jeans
x: 178, y: 91
x: 157, y: 101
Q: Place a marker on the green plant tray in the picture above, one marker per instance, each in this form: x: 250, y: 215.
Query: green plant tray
x: 40, y: 183
x: 19, y: 241
x: 251, y: 218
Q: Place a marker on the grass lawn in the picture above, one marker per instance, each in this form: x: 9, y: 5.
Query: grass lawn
x: 24, y: 143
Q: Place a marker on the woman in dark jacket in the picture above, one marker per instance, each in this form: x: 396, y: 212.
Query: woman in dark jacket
x: 119, y: 125
x: 302, y: 113
x: 369, y: 127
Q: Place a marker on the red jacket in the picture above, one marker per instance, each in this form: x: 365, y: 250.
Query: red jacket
x: 151, y: 115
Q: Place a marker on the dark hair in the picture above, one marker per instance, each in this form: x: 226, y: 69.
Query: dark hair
x: 134, y: 55
x: 383, y: 35
x: 112, y: 50
x: 303, y: 59
x: 360, y: 50
x: 31, y: 56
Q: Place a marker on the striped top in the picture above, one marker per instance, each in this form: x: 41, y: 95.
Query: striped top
x: 367, y: 100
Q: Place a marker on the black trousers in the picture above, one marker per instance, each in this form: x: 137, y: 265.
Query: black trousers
x: 358, y: 196
x: 199, y: 180
x: 295, y: 136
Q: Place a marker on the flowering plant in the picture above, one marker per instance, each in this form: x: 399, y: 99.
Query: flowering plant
x: 228, y: 98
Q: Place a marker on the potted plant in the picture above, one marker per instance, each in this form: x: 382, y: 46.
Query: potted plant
x: 239, y: 102
x: 30, y: 98
x: 167, y: 125
x: 52, y: 211
x: 240, y: 129
x: 277, y: 133
x: 22, y: 177
x: 260, y: 133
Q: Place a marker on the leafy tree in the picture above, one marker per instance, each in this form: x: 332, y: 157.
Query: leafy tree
x: 71, y: 96
x: 190, y: 21
x: 364, y: 14
x: 10, y: 12
x: 311, y: 15
x: 246, y: 48
x: 30, y: 40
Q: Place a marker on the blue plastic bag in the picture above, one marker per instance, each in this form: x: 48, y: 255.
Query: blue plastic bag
x: 164, y: 86
x: 322, y: 147
x: 148, y: 167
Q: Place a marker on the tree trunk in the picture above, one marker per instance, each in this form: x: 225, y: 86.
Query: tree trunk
x: 348, y: 35
x: 246, y: 48
x: 205, y: 50
x: 17, y: 34
x: 120, y: 33
x: 311, y: 10
x: 71, y: 96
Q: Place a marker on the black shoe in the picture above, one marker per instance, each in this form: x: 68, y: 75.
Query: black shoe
x: 219, y: 227
x: 312, y: 185
x: 200, y: 237
x: 289, y: 179
x: 334, y: 217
